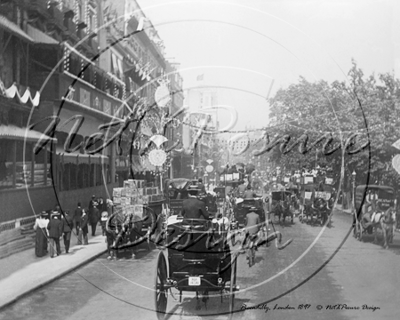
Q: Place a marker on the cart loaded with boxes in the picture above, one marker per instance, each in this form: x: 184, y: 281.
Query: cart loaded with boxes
x: 137, y: 215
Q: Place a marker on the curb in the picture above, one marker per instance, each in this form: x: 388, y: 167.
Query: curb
x: 51, y: 279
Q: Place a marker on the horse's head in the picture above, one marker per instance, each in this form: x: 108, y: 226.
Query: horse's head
x: 389, y: 216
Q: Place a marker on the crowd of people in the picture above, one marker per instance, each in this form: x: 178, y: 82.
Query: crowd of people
x: 56, y: 225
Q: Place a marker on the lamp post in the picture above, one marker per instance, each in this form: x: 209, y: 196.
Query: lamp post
x: 354, y: 188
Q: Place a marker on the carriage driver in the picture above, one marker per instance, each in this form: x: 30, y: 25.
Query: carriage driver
x: 249, y: 193
x: 193, y: 208
x: 253, y: 225
x: 371, y: 207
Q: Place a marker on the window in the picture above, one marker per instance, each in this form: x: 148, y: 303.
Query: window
x: 91, y: 18
x: 78, y: 12
x: 6, y: 165
x: 92, y: 175
x: 116, y: 66
x: 83, y: 175
x: 42, y: 168
x: 65, y: 176
x: 23, y: 173
x: 98, y: 175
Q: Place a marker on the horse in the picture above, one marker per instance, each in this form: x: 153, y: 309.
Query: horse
x: 385, y: 221
x: 282, y: 209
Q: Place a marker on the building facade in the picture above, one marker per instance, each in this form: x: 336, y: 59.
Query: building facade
x: 70, y: 73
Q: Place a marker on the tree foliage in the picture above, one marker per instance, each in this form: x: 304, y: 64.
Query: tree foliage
x: 368, y: 107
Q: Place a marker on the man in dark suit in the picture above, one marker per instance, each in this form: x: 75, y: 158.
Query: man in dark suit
x: 78, y: 217
x: 55, y: 228
x: 83, y: 230
x: 67, y: 228
x: 193, y: 208
x: 93, y: 214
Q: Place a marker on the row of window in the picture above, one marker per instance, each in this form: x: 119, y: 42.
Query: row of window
x: 20, y: 167
x: 83, y: 175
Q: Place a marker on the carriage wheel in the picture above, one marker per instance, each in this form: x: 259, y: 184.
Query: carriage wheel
x: 161, y: 294
x: 232, y: 287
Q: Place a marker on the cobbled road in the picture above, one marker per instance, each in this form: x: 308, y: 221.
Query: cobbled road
x: 322, y: 274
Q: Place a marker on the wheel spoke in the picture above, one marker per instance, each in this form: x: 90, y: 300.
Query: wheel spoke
x: 161, y: 295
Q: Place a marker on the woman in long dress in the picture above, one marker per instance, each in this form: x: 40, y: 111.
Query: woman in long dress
x: 41, y: 235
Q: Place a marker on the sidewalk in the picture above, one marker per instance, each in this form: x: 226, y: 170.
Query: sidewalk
x: 23, y: 272
x: 339, y: 207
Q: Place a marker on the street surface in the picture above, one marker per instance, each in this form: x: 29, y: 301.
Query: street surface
x: 328, y: 272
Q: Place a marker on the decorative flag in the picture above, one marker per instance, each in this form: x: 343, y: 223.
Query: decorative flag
x: 200, y: 77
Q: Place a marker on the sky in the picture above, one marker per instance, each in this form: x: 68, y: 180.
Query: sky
x: 249, y: 49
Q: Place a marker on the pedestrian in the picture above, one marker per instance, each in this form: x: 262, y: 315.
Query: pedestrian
x: 110, y: 237
x: 68, y: 225
x: 55, y: 228
x: 83, y: 229
x: 103, y: 221
x: 57, y: 210
x: 41, y: 235
x: 110, y: 205
x: 102, y: 206
x: 93, y: 214
x: 78, y: 217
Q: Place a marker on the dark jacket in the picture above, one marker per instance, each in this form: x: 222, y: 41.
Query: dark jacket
x: 193, y: 208
x: 102, y: 207
x: 55, y: 228
x: 68, y: 223
x: 92, y: 204
x: 84, y: 223
x: 93, y: 211
x: 94, y: 215
x: 78, y: 214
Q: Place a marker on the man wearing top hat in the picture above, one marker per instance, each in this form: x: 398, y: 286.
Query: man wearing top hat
x: 93, y: 214
x: 193, y: 208
x: 55, y: 228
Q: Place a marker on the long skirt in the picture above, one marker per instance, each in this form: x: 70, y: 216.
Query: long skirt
x: 40, y: 242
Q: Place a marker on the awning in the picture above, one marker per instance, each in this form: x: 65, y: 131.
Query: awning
x: 14, y: 29
x: 13, y: 92
x: 39, y: 36
x: 12, y: 132
x: 76, y: 157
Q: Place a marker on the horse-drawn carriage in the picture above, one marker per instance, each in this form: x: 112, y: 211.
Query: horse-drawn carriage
x: 316, y: 202
x: 129, y: 230
x: 280, y: 205
x: 177, y: 190
x: 242, y: 208
x: 374, y: 209
x: 295, y: 196
x: 196, y: 258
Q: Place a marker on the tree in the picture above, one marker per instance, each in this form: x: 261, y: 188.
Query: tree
x: 365, y: 108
